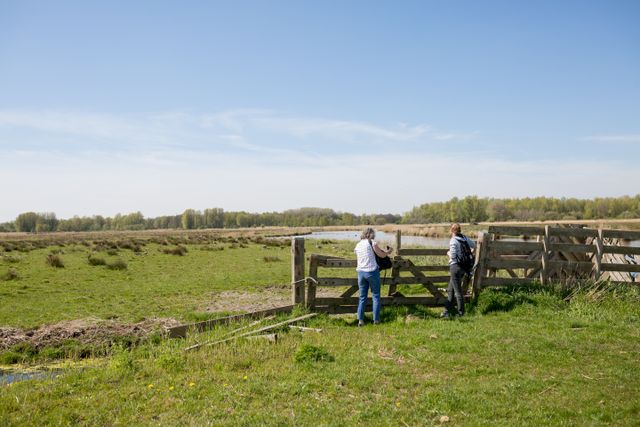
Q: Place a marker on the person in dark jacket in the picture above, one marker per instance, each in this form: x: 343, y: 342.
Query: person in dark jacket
x: 456, y: 271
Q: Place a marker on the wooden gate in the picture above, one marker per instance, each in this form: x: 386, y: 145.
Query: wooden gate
x: 427, y: 268
x: 530, y: 254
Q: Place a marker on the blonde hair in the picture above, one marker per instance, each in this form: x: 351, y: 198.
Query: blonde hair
x: 368, y: 233
x: 455, y: 228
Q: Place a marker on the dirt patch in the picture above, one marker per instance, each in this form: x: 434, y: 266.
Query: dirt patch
x: 90, y: 331
x: 255, y: 299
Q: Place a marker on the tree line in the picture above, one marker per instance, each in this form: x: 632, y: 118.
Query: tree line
x: 475, y: 209
x: 467, y: 209
x: 192, y: 219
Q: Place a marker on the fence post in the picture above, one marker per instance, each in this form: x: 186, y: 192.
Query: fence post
x: 297, y: 270
x: 395, y: 270
x: 544, y: 272
x: 312, y: 285
x: 482, y: 254
x: 599, y: 253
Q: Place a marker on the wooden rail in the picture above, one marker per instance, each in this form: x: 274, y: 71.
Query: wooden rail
x: 555, y: 254
x: 505, y: 256
x: 404, y: 271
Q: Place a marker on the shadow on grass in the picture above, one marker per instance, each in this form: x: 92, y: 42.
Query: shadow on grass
x: 388, y: 314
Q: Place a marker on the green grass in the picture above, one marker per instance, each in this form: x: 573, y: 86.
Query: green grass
x: 538, y: 361
x: 528, y: 356
x: 151, y: 284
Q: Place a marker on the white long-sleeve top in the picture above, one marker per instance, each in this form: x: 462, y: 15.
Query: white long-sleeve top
x: 366, y: 256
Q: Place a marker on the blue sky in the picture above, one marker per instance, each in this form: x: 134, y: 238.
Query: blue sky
x: 110, y: 107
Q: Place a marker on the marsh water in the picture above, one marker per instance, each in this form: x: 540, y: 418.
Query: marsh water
x: 12, y: 376
x: 381, y: 236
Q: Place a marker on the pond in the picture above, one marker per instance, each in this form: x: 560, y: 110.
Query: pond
x: 381, y: 236
x: 11, y: 376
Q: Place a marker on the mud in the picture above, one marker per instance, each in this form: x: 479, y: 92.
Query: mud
x: 91, y: 331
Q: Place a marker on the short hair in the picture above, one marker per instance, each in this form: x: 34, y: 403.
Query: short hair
x: 368, y: 233
x: 455, y: 228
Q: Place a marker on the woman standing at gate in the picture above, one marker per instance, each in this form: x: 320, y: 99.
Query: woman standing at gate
x: 369, y: 273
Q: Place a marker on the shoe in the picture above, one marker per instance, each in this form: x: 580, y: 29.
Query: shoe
x: 444, y: 315
x: 360, y: 323
x: 376, y: 323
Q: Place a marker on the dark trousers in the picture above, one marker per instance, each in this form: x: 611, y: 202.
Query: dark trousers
x: 455, y: 288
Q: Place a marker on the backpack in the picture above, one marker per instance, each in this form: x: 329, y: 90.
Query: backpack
x: 465, y: 258
x: 383, y: 263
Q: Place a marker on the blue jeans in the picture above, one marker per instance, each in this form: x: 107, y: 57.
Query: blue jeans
x: 366, y: 280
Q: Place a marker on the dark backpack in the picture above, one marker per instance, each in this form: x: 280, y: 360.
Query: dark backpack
x: 465, y: 258
x: 383, y: 263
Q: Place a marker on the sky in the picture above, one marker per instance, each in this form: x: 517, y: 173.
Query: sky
x: 360, y: 106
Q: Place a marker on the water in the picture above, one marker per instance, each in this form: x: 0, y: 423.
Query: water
x: 381, y: 236
x: 432, y: 242
x: 9, y: 377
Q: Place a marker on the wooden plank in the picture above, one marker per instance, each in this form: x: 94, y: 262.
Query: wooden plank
x: 599, y: 254
x: 423, y: 252
x: 504, y: 247
x: 322, y: 259
x: 626, y: 268
x: 181, y: 331
x: 384, y: 301
x: 432, y: 267
x: 621, y: 234
x: 351, y: 291
x: 249, y: 326
x: 434, y: 291
x: 544, y: 271
x: 256, y: 331
x: 573, y: 232
x: 482, y: 256
x: 508, y: 230
x: 626, y: 250
x: 513, y: 263
x: 340, y: 263
x: 337, y: 281
x: 352, y: 282
x: 572, y: 247
x: 398, y: 241
x: 421, y: 280
x: 297, y: 270
x: 305, y: 329
x: 502, y: 281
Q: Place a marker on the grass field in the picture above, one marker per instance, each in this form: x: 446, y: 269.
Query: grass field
x: 542, y: 362
x: 525, y: 357
x: 153, y: 284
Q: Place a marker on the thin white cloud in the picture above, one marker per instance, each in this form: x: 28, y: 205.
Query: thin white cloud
x: 169, y: 181
x: 247, y: 128
x: 624, y: 138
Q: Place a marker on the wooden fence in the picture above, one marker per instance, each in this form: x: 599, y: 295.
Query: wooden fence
x: 559, y: 254
x: 406, y: 270
x: 505, y: 256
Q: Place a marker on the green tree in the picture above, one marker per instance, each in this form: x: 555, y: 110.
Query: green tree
x: 26, y: 222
